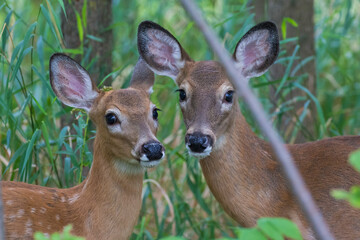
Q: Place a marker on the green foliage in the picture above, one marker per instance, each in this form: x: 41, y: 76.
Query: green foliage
x: 283, y: 25
x: 65, y: 235
x: 337, y: 30
x: 353, y: 195
x: 269, y: 228
x: 173, y: 238
x: 35, y: 149
x: 354, y: 160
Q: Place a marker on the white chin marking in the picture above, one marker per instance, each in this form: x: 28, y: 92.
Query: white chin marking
x: 204, y: 154
x: 150, y: 164
x: 146, y: 163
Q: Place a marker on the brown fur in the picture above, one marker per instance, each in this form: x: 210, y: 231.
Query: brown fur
x: 107, y: 204
x: 242, y: 171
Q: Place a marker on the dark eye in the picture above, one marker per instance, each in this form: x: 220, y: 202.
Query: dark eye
x: 155, y: 113
x: 182, y: 94
x: 229, y: 96
x: 111, y: 119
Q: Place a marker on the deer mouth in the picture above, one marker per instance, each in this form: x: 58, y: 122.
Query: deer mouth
x: 150, y: 163
x: 199, y: 145
x: 201, y: 155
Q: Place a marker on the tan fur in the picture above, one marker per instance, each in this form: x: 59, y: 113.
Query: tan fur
x: 107, y: 204
x: 242, y: 171
x: 240, y: 168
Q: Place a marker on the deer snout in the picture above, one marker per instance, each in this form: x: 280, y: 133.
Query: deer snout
x: 152, y: 151
x: 199, y: 143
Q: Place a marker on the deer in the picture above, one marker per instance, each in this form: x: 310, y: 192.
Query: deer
x: 239, y: 167
x: 107, y: 203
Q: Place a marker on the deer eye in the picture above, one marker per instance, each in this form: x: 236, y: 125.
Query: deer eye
x: 229, y: 96
x: 155, y: 113
x: 182, y: 94
x: 111, y: 119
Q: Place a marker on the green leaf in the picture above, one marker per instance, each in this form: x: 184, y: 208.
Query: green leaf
x: 142, y: 228
x: 48, y: 20
x: 291, y: 21
x: 288, y: 69
x: 84, y: 14
x: 340, y: 194
x: 92, y: 37
x: 24, y: 51
x: 55, y: 19
x: 40, y: 236
x: 285, y: 227
x: 283, y: 25
x: 1, y: 7
x: 39, y: 105
x: 268, y: 229
x: 251, y: 234
x: 65, y: 235
x: 318, y: 108
x: 354, y: 160
x: 173, y: 238
x: 16, y: 155
x: 196, y: 191
x: 80, y: 27
x: 24, y: 168
x: 61, y: 2
x: 47, y: 141
x: 44, y: 81
x: 355, y: 196
x: 73, y: 51
x: 5, y: 33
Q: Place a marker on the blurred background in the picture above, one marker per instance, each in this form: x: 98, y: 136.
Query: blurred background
x: 312, y: 92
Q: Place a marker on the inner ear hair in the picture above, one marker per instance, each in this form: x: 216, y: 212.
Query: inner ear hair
x: 160, y: 49
x: 71, y: 83
x: 248, y: 55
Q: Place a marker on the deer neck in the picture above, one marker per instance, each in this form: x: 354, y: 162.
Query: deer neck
x: 241, y: 171
x: 110, y: 199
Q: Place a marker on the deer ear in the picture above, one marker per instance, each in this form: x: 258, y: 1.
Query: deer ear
x: 160, y: 50
x: 143, y: 78
x: 71, y: 83
x: 257, y: 50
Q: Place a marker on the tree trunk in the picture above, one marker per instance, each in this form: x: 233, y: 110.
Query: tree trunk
x: 303, y: 13
x: 99, y: 62
x: 99, y: 19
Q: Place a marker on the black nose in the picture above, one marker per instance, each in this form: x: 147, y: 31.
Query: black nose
x: 153, y: 150
x: 198, y: 142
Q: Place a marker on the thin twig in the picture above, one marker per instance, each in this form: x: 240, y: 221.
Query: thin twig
x: 292, y: 174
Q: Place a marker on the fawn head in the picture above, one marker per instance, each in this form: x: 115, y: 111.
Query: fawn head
x: 125, y: 119
x: 207, y: 98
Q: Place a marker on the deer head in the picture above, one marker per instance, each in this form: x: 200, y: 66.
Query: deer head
x: 126, y: 120
x: 207, y: 98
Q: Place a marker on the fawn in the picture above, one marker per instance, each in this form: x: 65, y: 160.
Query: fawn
x: 107, y: 203
x: 239, y: 167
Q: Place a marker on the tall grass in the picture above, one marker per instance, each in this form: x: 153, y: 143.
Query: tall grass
x: 176, y: 199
